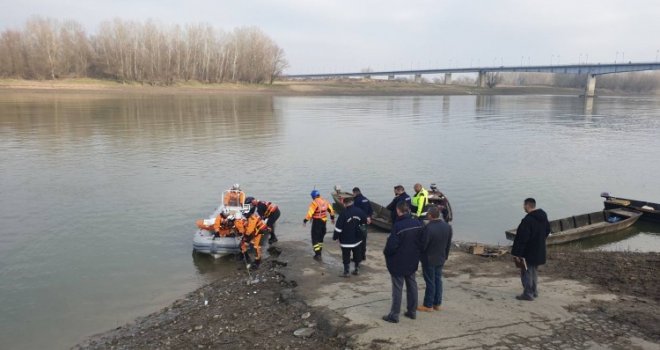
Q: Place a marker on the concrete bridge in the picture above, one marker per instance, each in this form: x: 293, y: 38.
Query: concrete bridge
x: 591, y: 70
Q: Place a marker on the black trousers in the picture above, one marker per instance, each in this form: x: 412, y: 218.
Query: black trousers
x: 363, y: 246
x: 346, y: 256
x: 271, y: 223
x: 318, y: 232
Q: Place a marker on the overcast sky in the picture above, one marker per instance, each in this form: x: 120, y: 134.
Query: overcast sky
x: 340, y: 35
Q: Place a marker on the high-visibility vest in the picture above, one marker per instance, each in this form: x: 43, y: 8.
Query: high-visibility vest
x: 319, y: 209
x: 420, y: 200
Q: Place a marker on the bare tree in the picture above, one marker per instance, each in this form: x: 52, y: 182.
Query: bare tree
x: 492, y: 79
x: 147, y: 52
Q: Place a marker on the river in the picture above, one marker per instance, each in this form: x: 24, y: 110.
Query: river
x: 99, y: 193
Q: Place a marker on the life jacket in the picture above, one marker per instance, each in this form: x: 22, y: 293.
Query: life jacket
x: 270, y: 209
x: 234, y: 198
x: 251, y: 226
x: 319, y: 209
x: 222, y: 226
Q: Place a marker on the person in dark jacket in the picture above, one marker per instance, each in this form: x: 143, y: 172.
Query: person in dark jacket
x: 436, y: 241
x: 360, y: 201
x: 400, y: 195
x: 349, y: 231
x: 529, y: 246
x: 402, y: 252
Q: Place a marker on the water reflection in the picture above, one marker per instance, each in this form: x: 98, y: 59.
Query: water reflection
x: 52, y: 117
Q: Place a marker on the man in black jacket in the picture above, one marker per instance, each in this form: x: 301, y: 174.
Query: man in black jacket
x: 400, y: 195
x: 402, y: 252
x: 363, y: 203
x: 436, y: 241
x: 529, y: 247
x: 349, y: 231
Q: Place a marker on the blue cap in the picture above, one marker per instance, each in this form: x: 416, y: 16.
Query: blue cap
x: 315, y: 193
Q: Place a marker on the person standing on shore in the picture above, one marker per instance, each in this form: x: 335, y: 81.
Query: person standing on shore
x: 400, y: 195
x: 402, y: 252
x: 436, y: 241
x: 360, y: 201
x: 528, y: 249
x: 318, y: 212
x: 349, y: 230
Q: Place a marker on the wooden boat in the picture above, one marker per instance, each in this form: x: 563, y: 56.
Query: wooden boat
x: 382, y: 216
x: 650, y: 211
x: 578, y: 227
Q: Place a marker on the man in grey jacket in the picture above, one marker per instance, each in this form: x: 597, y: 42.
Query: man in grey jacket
x: 436, y: 241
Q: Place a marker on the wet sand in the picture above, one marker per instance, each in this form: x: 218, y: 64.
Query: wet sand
x: 588, y: 300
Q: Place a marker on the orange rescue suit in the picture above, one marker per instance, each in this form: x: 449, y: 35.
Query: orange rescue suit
x: 221, y: 226
x: 234, y: 198
x: 319, y: 209
x: 252, y: 230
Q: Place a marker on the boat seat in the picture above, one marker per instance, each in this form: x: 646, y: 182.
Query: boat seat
x: 581, y: 220
x: 555, y: 226
x: 596, y: 217
x: 567, y: 224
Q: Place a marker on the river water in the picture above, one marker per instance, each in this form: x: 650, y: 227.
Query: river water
x: 99, y: 193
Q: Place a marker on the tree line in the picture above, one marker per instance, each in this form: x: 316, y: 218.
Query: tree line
x: 145, y: 52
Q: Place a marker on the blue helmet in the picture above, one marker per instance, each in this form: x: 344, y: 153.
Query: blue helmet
x: 315, y: 193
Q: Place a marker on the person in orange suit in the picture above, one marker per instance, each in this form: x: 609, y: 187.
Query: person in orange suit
x: 252, y: 229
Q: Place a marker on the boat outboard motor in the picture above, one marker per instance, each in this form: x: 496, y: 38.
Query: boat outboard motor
x: 605, y: 195
x: 434, y: 188
x: 337, y: 188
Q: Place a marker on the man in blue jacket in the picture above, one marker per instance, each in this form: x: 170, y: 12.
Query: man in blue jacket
x: 529, y: 246
x: 349, y: 231
x: 400, y: 195
x: 360, y: 201
x: 402, y: 253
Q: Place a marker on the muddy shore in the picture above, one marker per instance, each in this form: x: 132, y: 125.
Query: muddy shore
x: 589, y: 299
x: 281, y: 88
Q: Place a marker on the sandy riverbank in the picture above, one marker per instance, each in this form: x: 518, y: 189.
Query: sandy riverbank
x: 588, y: 300
x: 285, y: 88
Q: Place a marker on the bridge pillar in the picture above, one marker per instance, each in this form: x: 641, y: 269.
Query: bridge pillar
x: 590, y: 88
x: 390, y: 77
x: 447, y: 78
x: 481, y: 79
x: 418, y: 78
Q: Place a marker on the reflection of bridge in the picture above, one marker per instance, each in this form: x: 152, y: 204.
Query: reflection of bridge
x: 591, y: 70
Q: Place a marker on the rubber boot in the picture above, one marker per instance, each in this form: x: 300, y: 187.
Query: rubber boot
x: 345, y: 274
x: 357, y: 269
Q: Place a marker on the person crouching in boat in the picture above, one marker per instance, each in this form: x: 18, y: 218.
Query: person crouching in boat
x: 221, y: 226
x: 252, y: 229
x: 268, y: 211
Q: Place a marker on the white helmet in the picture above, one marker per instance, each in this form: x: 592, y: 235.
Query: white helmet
x: 236, y: 187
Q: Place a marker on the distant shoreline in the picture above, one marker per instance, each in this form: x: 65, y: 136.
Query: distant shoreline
x: 284, y: 88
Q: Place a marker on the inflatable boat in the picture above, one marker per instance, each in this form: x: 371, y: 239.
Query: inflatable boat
x: 207, y: 242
